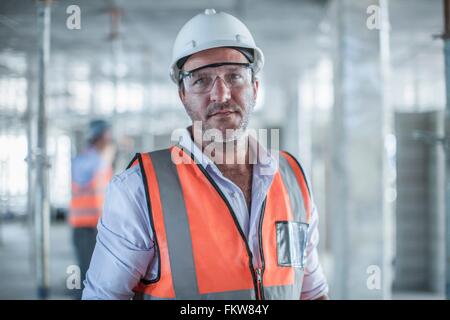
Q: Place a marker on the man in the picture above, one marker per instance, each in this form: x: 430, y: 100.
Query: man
x: 187, y: 223
x: 91, y: 173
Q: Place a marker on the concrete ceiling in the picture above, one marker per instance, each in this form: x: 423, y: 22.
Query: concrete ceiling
x: 290, y: 32
x: 148, y: 28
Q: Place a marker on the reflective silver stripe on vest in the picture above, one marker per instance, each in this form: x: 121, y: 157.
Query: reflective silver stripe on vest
x: 177, y: 226
x: 231, y: 295
x: 85, y: 212
x: 144, y: 296
x: 228, y: 295
x: 288, y: 292
x: 87, y: 191
x: 293, y: 189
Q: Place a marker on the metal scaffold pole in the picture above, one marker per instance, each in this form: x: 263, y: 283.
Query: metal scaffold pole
x: 42, y: 206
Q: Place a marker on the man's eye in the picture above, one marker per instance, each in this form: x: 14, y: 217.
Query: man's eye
x: 199, y: 82
x: 236, y: 76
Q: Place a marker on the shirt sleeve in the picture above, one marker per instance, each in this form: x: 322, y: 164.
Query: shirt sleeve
x: 124, y: 248
x: 314, y: 281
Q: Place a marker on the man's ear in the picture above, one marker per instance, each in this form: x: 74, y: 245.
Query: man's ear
x: 181, y: 93
x: 255, y: 87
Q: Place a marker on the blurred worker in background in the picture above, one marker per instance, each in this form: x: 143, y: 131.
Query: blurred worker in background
x: 91, y: 173
x: 212, y: 229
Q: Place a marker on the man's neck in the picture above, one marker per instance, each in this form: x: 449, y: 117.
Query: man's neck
x: 231, y: 155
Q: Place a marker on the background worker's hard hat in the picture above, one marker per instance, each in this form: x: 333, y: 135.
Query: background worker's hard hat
x: 209, y: 30
x: 96, y: 129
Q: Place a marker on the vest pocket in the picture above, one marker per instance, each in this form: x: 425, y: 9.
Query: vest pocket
x: 291, y: 243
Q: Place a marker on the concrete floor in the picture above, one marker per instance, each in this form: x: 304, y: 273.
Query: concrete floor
x: 17, y: 275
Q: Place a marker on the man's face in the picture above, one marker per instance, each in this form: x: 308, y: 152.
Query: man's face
x: 103, y: 140
x: 221, y: 108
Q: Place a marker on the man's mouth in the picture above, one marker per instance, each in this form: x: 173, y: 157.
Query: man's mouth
x: 223, y: 112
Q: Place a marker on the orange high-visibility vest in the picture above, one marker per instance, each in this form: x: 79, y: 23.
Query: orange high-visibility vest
x: 202, y: 251
x: 87, y: 200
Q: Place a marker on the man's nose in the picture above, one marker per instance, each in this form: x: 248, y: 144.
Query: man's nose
x: 220, y: 92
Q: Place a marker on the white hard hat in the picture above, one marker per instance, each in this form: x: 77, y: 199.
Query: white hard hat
x: 209, y: 30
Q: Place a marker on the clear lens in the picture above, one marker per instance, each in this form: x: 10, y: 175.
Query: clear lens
x: 202, y: 81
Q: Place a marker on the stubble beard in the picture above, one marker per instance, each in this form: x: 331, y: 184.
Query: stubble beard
x: 229, y: 134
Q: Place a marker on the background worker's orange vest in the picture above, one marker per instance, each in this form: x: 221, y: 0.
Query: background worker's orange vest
x: 87, y: 200
x: 201, y: 249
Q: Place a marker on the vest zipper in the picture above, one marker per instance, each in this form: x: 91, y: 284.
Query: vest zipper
x: 259, y: 280
x: 256, y: 283
x: 261, y: 253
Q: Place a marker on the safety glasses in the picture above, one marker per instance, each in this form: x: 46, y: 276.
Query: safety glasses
x: 201, y: 80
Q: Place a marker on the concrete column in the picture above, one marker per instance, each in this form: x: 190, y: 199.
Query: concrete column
x: 304, y: 127
x: 419, y: 250
x: 293, y: 133
x: 359, y: 211
x: 42, y: 205
x: 30, y: 122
